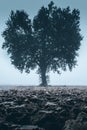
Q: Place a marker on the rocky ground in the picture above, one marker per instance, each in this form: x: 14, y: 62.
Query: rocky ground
x: 43, y: 109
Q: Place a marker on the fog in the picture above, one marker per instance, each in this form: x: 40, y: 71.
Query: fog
x: 9, y: 75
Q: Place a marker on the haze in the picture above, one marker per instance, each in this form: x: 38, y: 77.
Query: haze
x: 11, y: 76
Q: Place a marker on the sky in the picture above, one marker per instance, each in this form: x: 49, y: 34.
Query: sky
x: 11, y: 76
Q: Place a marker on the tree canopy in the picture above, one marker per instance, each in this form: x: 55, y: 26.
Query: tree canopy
x: 48, y: 42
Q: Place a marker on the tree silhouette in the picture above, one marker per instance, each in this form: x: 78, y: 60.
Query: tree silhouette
x: 49, y: 42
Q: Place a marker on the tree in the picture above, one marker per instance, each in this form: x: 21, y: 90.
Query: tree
x: 49, y: 42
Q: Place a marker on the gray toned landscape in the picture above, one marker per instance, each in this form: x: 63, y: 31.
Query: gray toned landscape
x: 43, y: 83
x: 56, y: 108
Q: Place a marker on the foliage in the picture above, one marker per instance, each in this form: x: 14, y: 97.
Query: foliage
x: 49, y: 42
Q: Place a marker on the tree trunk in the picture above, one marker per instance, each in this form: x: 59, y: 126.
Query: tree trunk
x: 43, y: 77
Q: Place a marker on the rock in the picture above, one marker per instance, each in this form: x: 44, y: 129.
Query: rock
x: 7, y: 126
x: 75, y: 125
x: 82, y: 117
x: 50, y: 104
x: 29, y: 127
x: 45, y: 112
x: 49, y: 109
x: 58, y: 108
x: 69, y: 125
x: 79, y: 124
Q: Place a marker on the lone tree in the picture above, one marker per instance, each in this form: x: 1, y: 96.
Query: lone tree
x: 49, y: 42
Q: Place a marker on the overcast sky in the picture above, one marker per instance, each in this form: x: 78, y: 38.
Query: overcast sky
x: 11, y: 76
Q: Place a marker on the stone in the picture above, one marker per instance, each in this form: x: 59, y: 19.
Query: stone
x: 29, y: 127
x: 79, y: 124
x: 43, y: 109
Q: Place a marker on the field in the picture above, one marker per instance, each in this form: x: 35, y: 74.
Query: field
x: 40, y: 108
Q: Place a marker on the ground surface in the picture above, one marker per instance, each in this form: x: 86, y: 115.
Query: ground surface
x: 50, y: 108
